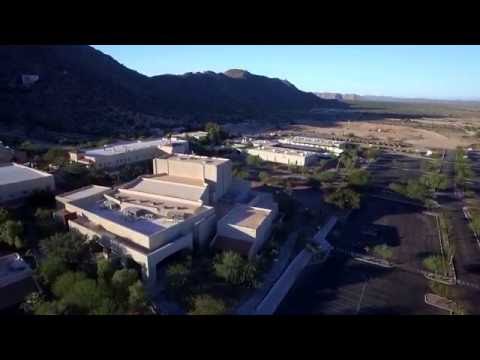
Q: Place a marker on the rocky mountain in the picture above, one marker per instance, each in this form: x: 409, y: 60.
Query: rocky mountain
x: 78, y: 88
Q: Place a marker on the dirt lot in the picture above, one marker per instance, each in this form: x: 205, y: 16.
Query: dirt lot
x: 411, y: 234
x: 418, y: 137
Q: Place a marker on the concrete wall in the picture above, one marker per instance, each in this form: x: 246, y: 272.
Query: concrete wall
x: 14, y: 191
x: 204, y: 230
x: 236, y: 232
x: 176, y: 190
x: 217, y: 174
x: 155, y: 257
x: 263, y: 234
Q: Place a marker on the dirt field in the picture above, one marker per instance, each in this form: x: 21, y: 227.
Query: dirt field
x: 417, y: 137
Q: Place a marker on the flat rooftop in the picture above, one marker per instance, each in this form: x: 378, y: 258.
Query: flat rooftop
x: 288, y: 151
x: 246, y: 216
x: 13, y: 173
x: 178, y: 180
x: 84, y: 192
x: 198, y: 159
x: 142, y: 224
x: 115, y: 149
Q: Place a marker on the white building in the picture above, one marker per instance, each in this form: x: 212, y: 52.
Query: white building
x: 284, y: 155
x: 18, y: 181
x: 332, y: 146
x: 116, y: 155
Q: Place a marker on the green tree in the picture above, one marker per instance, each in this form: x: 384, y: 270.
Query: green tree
x: 358, y: 177
x: 416, y: 190
x: 344, y: 198
x: 71, y: 247
x: 436, y: 264
x: 65, y: 283
x: 207, y: 305
x: 137, y: 300
x: 254, y: 160
x: 49, y: 308
x: 348, y: 159
x: 83, y: 297
x: 240, y: 173
x: 384, y: 251
x: 326, y: 176
x: 121, y: 280
x: 45, y: 222
x: 475, y: 222
x: 105, y: 270
x: 4, y: 216
x: 11, y: 233
x: 177, y: 276
x: 435, y: 181
x: 52, y: 267
x: 215, y: 135
x: 229, y: 266
x: 56, y: 156
x: 234, y: 269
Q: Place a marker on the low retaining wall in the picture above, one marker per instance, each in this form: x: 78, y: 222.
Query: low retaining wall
x: 273, y: 299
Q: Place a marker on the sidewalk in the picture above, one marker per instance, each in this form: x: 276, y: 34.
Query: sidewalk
x: 248, y: 307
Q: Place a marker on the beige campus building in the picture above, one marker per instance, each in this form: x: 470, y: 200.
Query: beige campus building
x: 157, y: 215
x: 117, y: 155
x: 18, y: 181
x: 246, y: 227
x: 283, y: 155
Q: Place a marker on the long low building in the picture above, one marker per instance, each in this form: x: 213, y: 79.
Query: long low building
x: 116, y: 155
x: 18, y: 181
x: 283, y: 155
x: 331, y: 146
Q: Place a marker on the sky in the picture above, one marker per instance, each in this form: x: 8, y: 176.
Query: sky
x: 436, y: 72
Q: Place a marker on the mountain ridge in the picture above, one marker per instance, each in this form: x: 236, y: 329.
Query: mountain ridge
x: 80, y: 88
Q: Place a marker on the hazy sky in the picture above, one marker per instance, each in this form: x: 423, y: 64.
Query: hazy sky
x: 448, y: 72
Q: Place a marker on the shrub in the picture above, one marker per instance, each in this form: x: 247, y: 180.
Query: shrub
x: 207, y: 305
x: 177, y: 276
x: 383, y: 251
x: 436, y: 264
x: 344, y: 199
x: 234, y: 269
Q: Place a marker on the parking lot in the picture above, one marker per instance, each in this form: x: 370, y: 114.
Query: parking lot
x: 390, y: 167
x: 411, y: 234
x: 343, y: 286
